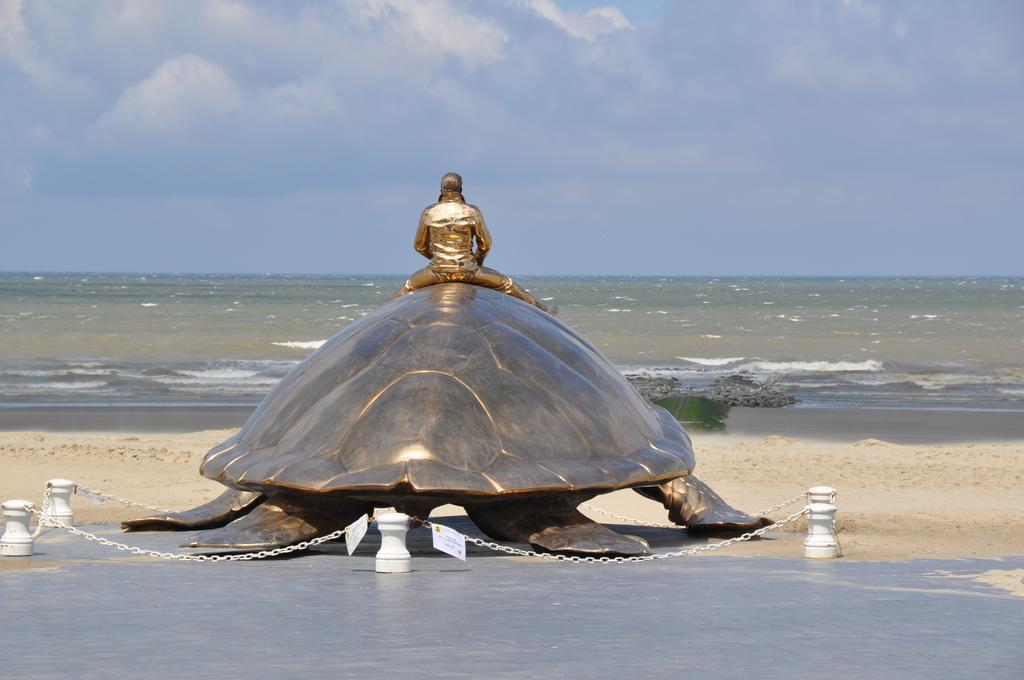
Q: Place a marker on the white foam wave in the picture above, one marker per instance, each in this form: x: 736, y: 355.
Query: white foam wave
x: 149, y: 304
x: 217, y: 383
x: 59, y: 372
x: 1010, y: 391
x: 871, y: 365
x: 301, y: 344
x: 83, y: 385
x: 931, y: 381
x: 220, y: 373
x: 662, y: 372
x: 714, y: 361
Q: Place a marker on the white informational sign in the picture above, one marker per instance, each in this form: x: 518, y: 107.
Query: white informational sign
x: 354, y: 533
x: 449, y: 541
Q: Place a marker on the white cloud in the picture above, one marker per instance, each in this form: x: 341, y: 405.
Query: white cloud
x: 813, y: 62
x: 183, y: 93
x: 862, y: 9
x: 17, y: 174
x: 302, y: 99
x: 17, y: 47
x: 402, y: 83
x: 588, y: 25
x: 444, y: 27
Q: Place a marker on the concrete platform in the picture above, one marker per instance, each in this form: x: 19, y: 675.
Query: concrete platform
x: 80, y: 610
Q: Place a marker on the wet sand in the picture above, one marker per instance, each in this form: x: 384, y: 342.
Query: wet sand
x: 123, y: 418
x: 905, y: 426
x: 897, y: 501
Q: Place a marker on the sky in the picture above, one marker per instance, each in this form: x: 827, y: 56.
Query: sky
x: 689, y: 137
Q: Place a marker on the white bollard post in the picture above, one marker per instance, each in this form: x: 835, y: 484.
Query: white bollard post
x: 821, y: 541
x: 393, y: 557
x: 17, y: 540
x: 821, y: 494
x: 60, y: 501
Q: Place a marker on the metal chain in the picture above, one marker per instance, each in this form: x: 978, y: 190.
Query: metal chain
x: 784, y: 504
x: 669, y: 525
x: 628, y: 520
x: 124, y: 501
x: 710, y: 547
x: 47, y: 521
x: 183, y: 557
x: 43, y: 518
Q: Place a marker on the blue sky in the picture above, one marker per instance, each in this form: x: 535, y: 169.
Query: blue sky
x: 690, y: 137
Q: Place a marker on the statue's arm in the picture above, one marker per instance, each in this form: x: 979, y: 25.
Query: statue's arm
x: 483, y: 238
x: 422, y: 241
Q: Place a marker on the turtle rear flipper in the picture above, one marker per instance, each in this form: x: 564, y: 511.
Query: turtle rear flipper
x: 553, y: 525
x: 281, y: 521
x: 691, y: 503
x: 226, y: 507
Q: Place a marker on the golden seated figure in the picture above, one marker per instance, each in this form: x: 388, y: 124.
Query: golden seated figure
x: 446, y: 235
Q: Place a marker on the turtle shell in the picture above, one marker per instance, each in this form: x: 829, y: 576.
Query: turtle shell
x: 453, y: 390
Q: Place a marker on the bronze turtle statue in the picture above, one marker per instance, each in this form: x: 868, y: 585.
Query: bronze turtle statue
x: 456, y: 394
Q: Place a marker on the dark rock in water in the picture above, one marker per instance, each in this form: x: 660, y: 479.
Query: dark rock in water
x: 731, y: 390
x: 654, y: 389
x: 741, y: 390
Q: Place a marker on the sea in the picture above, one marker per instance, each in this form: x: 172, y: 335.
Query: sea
x: 88, y: 339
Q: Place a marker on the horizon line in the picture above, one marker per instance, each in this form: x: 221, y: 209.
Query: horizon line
x: 69, y: 272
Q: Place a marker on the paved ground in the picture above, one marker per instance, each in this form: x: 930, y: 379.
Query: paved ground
x: 80, y: 610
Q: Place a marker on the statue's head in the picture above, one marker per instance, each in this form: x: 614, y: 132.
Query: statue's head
x: 451, y: 187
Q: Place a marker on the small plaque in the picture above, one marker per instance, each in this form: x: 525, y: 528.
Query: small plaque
x: 354, y: 533
x: 449, y: 541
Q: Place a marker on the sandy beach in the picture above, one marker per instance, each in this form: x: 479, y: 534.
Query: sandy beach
x: 896, y: 501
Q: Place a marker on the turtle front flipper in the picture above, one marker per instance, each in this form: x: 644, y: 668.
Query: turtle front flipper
x: 282, y: 520
x: 226, y: 507
x: 691, y: 503
x: 553, y: 525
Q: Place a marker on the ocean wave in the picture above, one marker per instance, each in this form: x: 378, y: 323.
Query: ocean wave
x: 216, y: 378
x: 714, y: 361
x: 663, y: 372
x: 929, y: 381
x: 1015, y: 373
x: 714, y: 367
x: 871, y: 365
x: 251, y: 384
x: 81, y: 385
x: 58, y: 373
x: 301, y: 344
x: 218, y: 373
x: 1010, y: 391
